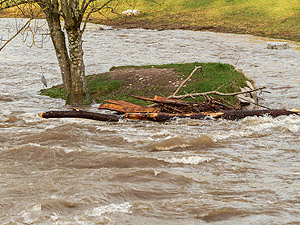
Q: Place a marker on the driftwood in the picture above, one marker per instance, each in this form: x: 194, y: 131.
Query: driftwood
x: 229, y: 115
x: 79, y: 114
x: 161, y: 116
x: 126, y: 107
x: 166, y: 109
x: 215, y: 92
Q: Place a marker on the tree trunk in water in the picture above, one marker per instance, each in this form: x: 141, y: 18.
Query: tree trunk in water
x: 70, y: 59
x: 59, y: 43
x: 79, y: 93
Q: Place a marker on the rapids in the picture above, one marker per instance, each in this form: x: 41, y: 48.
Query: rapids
x: 73, y: 171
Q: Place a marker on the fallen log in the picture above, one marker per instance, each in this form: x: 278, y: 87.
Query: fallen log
x: 79, y: 114
x: 157, y: 117
x: 240, y: 114
x: 229, y: 115
x: 161, y: 117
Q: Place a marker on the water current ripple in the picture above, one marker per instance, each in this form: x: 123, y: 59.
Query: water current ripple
x: 73, y: 171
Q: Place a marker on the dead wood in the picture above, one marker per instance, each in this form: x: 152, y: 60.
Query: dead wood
x: 126, y: 107
x: 215, y: 92
x: 229, y: 115
x: 187, y: 79
x: 240, y: 114
x: 163, y: 100
x: 79, y: 114
x: 175, y: 106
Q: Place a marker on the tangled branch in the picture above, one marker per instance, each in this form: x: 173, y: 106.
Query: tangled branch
x: 26, y: 25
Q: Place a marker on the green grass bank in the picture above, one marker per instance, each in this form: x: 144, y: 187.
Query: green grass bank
x: 269, y: 18
x: 123, y: 82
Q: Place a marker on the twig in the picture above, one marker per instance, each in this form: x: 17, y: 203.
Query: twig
x: 254, y: 103
x: 216, y: 93
x: 186, y: 80
x: 25, y: 26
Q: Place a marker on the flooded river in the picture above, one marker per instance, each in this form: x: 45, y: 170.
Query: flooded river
x: 74, y: 171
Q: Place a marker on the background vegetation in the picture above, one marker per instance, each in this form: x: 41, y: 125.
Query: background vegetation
x: 272, y: 18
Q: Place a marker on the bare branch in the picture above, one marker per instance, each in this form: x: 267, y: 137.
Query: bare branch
x: 11, y: 4
x: 16, y: 34
x: 215, y: 92
x: 254, y: 103
x: 186, y: 80
x: 93, y: 10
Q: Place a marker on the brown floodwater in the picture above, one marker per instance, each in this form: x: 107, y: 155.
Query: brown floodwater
x: 75, y: 171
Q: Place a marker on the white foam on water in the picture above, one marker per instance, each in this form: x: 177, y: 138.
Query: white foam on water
x: 30, y: 117
x: 30, y: 216
x: 112, y: 208
x: 133, y: 135
x: 260, y: 125
x: 192, y: 160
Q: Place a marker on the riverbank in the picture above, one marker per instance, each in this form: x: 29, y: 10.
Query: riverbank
x: 123, y: 82
x: 270, y: 18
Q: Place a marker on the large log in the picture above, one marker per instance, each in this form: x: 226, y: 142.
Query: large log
x: 240, y: 114
x: 79, y: 114
x: 161, y: 117
x: 229, y: 115
x: 158, y: 117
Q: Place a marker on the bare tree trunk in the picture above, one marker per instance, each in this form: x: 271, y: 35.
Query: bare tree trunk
x: 79, y: 93
x: 59, y: 43
x: 70, y: 59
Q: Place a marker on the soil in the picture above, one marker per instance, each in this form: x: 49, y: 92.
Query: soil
x: 169, y: 24
x: 147, y: 81
x: 140, y: 22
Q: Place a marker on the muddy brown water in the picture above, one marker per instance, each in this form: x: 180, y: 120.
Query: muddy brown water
x: 73, y: 171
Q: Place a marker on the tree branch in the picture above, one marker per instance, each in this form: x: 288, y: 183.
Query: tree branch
x: 16, y: 34
x: 215, y: 92
x: 11, y: 4
x: 93, y: 10
x: 186, y: 80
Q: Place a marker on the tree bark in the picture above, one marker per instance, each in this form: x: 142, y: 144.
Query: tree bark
x: 79, y: 114
x: 228, y: 115
x: 79, y: 93
x: 70, y: 59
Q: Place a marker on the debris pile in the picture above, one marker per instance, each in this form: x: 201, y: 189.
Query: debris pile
x: 164, y: 109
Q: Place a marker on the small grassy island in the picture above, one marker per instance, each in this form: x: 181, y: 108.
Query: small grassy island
x: 123, y: 82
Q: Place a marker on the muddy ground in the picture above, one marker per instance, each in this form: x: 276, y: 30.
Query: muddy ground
x: 149, y: 81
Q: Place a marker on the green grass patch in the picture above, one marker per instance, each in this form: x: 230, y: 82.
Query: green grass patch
x: 272, y: 18
x: 54, y: 92
x: 216, y: 75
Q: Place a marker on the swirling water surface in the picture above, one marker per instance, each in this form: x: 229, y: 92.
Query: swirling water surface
x: 73, y: 171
